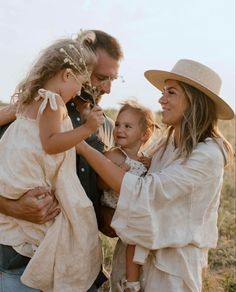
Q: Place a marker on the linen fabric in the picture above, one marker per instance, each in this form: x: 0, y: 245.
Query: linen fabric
x: 66, y: 252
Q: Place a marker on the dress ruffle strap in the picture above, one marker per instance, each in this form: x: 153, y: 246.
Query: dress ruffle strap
x: 48, y: 96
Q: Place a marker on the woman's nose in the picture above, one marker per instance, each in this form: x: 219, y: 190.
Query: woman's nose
x: 162, y: 99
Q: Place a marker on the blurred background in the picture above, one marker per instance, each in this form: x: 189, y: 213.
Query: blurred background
x: 153, y: 34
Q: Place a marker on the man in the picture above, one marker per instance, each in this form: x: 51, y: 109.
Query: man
x: 39, y: 205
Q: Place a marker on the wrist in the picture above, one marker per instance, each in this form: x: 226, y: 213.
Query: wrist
x: 86, y: 131
x: 6, y: 206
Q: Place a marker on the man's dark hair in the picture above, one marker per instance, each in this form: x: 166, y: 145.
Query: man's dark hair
x: 108, y: 43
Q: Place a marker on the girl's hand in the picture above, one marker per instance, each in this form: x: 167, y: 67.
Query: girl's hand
x: 146, y: 161
x: 94, y: 119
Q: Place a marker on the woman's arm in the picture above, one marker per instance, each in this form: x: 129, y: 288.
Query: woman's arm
x: 118, y: 158
x: 107, y: 170
x: 7, y: 114
x: 54, y: 141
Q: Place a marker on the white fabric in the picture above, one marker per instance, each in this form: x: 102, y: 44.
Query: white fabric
x: 49, y: 97
x: 154, y: 279
x: 68, y: 252
x: 173, y: 209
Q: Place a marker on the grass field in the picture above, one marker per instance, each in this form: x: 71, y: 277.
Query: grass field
x: 221, y: 272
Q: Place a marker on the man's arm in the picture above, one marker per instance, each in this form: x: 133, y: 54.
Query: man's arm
x: 7, y: 114
x: 37, y: 206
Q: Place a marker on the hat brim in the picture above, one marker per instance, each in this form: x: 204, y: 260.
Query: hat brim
x: 158, y: 77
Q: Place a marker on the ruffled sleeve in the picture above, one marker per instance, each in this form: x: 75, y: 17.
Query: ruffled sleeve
x: 174, y: 205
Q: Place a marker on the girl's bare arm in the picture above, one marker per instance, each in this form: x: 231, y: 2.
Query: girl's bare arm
x: 54, y: 141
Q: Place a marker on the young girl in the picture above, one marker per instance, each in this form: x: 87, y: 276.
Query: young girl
x: 133, y: 127
x: 38, y: 149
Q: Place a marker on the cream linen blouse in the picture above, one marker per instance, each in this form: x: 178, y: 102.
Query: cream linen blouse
x: 172, y: 211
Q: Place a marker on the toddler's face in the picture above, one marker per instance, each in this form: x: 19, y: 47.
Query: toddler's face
x: 128, y: 132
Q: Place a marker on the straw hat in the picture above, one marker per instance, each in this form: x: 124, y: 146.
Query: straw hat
x: 198, y: 76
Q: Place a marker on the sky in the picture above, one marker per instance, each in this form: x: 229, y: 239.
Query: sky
x: 154, y: 34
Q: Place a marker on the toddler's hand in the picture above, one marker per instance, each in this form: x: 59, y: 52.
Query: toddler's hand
x: 146, y: 161
x: 94, y: 119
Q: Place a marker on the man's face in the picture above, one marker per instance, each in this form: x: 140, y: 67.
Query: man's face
x: 105, y: 71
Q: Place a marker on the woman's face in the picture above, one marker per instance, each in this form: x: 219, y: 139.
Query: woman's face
x: 174, y: 103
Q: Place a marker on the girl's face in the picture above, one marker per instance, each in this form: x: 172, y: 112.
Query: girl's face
x: 73, y: 85
x: 128, y: 133
x: 174, y: 103
x: 77, y: 81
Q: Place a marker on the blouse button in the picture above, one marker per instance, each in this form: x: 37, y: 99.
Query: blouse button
x: 72, y: 104
x: 78, y: 119
x: 82, y: 169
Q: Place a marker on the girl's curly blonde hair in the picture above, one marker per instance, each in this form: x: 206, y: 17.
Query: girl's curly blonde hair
x: 64, y: 53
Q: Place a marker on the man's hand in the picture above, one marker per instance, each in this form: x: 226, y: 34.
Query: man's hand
x: 104, y: 221
x: 38, y: 206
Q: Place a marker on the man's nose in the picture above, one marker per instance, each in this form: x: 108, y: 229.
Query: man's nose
x: 106, y: 87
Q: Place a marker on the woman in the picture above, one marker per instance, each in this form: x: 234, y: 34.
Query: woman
x: 172, y: 211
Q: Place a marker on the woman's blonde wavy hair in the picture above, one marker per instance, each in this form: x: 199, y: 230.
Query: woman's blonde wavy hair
x: 199, y: 122
x: 51, y: 61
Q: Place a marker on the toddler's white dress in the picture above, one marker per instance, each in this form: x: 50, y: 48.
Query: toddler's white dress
x: 66, y: 252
